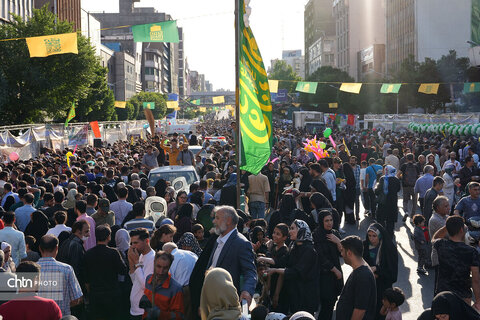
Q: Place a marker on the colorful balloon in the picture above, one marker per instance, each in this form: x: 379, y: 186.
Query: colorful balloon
x: 13, y: 156
x: 327, y: 132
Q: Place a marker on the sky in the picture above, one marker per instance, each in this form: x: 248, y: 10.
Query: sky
x: 208, y: 28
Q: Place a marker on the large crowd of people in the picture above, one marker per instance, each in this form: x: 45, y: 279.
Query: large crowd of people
x: 81, y: 227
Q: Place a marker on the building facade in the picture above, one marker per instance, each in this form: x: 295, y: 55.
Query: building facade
x: 23, y: 8
x: 319, y: 26
x: 296, y: 60
x: 426, y: 29
x: 66, y: 10
x: 359, y: 25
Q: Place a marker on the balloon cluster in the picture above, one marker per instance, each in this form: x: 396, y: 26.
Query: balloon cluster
x: 446, y: 128
x: 316, y: 147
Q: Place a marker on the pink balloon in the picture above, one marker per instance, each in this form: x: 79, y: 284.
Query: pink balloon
x: 13, y: 156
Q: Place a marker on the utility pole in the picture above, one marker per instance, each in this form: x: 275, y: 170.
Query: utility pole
x: 238, y: 16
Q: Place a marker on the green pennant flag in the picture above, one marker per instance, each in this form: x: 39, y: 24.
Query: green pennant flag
x: 390, y: 88
x: 307, y: 87
x: 196, y: 102
x: 255, y: 106
x: 71, y: 114
x: 469, y: 87
x: 156, y: 32
x: 149, y: 105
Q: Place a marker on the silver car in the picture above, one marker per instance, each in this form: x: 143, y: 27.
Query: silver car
x: 170, y: 173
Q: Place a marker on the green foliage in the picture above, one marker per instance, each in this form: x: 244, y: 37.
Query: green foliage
x: 38, y: 89
x: 99, y: 105
x: 134, y: 108
x: 282, y: 71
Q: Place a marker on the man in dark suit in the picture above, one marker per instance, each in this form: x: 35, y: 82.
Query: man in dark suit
x: 233, y: 252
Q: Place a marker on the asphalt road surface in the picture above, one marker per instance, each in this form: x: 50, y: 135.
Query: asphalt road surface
x: 418, y: 289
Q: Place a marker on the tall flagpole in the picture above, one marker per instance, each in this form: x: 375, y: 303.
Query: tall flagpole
x: 238, y: 16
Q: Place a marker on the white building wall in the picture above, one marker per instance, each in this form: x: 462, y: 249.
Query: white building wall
x: 91, y: 29
x: 442, y: 25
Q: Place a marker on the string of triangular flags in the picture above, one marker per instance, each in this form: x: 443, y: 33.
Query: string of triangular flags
x: 355, y: 87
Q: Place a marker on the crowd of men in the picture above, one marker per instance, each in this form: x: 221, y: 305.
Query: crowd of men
x: 79, y: 230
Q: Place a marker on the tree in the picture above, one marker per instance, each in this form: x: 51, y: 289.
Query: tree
x: 136, y: 104
x: 99, y: 105
x: 282, y: 71
x: 38, y: 89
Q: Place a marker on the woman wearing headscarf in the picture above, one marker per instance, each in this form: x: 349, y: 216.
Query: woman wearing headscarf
x: 449, y: 186
x: 349, y: 193
x: 431, y: 161
x: 8, y: 264
x: 219, y: 299
x: 132, y: 196
x: 228, y: 193
x: 288, y: 212
x: 170, y: 195
x: 285, y: 179
x: 188, y: 242
x: 448, y: 306
x: 196, y: 199
x: 381, y: 254
x: 173, y: 207
x: 301, y: 279
x: 160, y: 187
x: 110, y: 193
x: 69, y: 203
x: 327, y: 244
x: 387, y: 199
x: 319, y: 202
x: 183, y: 221
x: 305, y: 182
x: 37, y: 227
x: 320, y: 186
x: 271, y: 173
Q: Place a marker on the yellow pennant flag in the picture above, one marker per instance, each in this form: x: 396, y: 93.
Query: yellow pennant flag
x: 52, y: 44
x: 429, y: 88
x: 351, y: 87
x: 120, y: 104
x: 202, y: 109
x: 219, y: 99
x: 333, y: 105
x: 346, y: 148
x: 173, y: 105
x: 273, y: 84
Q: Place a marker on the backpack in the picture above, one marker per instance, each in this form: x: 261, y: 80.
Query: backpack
x: 410, y: 175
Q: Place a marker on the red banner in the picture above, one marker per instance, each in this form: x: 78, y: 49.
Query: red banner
x: 95, y: 129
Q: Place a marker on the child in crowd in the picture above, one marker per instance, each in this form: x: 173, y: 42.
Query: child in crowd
x: 421, y: 240
x: 198, y: 232
x: 392, y: 299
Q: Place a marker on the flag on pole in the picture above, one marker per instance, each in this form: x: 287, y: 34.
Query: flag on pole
x: 218, y: 100
x: 156, y: 32
x: 120, y: 104
x: 71, y: 114
x: 149, y: 105
x: 469, y: 87
x: 307, y: 87
x: 390, y: 87
x: 95, y: 129
x: 53, y: 44
x: 351, y: 87
x: 172, y: 105
x: 429, y: 88
x: 273, y: 84
x: 333, y: 105
x: 254, y: 102
x: 346, y: 148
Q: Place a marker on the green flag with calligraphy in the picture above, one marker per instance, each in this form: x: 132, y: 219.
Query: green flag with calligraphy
x: 255, y: 106
x: 71, y: 114
x: 165, y: 31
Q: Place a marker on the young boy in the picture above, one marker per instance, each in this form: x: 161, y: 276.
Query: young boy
x: 198, y: 232
x: 421, y: 243
x: 391, y: 300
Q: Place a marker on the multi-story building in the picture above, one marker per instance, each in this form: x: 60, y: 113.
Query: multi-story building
x: 23, y: 8
x: 122, y: 40
x: 295, y: 59
x: 107, y: 60
x: 319, y: 25
x: 181, y: 70
x: 359, y: 25
x: 90, y: 28
x: 426, y: 28
x: 66, y: 10
x: 125, y: 76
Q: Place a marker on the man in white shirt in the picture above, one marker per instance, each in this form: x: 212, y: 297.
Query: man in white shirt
x: 455, y: 163
x: 140, y: 262
x: 60, y: 218
x: 121, y: 207
x: 183, y: 263
x: 13, y: 237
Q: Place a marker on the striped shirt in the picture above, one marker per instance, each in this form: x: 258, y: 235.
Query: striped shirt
x: 168, y: 298
x: 139, y: 223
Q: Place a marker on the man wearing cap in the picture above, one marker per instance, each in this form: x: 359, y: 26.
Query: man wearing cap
x: 185, y: 157
x: 104, y: 215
